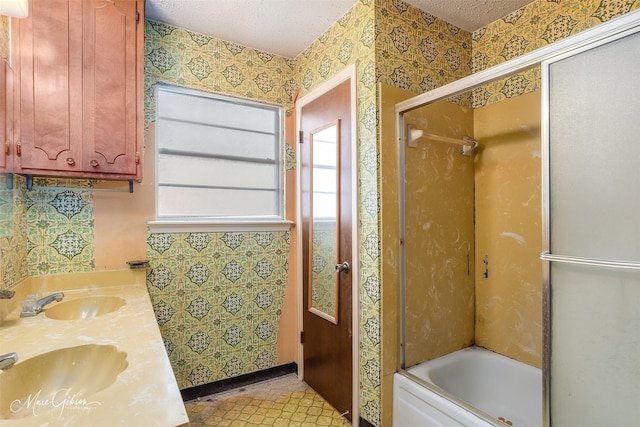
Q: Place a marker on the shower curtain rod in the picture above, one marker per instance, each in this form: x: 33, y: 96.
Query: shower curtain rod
x: 468, y: 144
x: 415, y: 133
x: 465, y: 141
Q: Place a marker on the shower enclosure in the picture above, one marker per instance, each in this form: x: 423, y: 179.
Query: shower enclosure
x: 472, y: 240
x: 588, y: 233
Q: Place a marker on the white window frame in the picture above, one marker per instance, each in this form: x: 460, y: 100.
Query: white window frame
x: 214, y: 222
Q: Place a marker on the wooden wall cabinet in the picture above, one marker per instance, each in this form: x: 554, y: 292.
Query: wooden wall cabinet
x: 78, y: 88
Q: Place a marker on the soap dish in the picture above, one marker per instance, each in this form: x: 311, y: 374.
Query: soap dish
x: 138, y: 263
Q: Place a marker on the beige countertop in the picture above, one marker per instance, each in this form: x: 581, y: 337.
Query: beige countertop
x: 144, y: 394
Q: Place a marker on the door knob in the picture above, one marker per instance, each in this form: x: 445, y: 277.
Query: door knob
x: 344, y: 267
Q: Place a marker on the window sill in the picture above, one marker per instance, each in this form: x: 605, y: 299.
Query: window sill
x: 220, y: 226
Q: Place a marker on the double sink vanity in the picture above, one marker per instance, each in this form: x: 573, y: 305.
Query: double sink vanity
x: 95, y: 357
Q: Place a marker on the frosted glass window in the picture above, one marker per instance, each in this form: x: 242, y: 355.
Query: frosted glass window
x: 216, y: 156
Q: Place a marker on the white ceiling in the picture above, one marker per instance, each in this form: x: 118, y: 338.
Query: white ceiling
x: 469, y: 14
x: 287, y: 27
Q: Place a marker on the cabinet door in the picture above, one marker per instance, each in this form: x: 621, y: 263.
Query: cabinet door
x: 110, y: 86
x: 6, y: 95
x: 49, y: 64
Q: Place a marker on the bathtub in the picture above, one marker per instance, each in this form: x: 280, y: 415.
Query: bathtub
x: 470, y: 387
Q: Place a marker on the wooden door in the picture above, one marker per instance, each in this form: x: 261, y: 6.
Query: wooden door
x: 328, y: 339
x: 48, y: 52
x: 110, y: 86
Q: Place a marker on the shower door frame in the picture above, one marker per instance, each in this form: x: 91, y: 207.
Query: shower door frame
x: 548, y: 254
x: 608, y: 31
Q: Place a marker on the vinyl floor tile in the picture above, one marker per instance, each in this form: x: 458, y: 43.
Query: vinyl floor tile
x: 284, y: 401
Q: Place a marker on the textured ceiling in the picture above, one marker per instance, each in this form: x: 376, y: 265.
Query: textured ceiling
x: 469, y: 14
x: 287, y: 27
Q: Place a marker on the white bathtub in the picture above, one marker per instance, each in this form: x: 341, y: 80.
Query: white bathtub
x: 470, y: 387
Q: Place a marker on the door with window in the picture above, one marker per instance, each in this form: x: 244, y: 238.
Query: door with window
x: 326, y: 200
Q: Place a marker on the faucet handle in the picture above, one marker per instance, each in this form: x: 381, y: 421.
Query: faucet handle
x: 6, y: 294
x: 29, y: 303
x: 8, y: 360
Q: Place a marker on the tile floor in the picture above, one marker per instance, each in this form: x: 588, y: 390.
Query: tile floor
x: 284, y: 401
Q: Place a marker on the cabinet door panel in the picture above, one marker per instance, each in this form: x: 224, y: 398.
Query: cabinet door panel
x: 5, y: 107
x: 50, y: 79
x: 110, y: 86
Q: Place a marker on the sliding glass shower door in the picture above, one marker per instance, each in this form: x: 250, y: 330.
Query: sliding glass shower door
x: 592, y: 219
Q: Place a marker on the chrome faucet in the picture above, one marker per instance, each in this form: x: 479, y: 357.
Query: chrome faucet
x: 30, y: 310
x: 8, y: 360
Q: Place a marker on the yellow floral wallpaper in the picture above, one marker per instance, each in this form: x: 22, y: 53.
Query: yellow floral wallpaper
x: 47, y: 229
x: 416, y: 50
x: 13, y: 223
x: 218, y: 299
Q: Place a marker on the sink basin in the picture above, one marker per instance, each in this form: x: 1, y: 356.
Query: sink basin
x: 60, y: 381
x: 82, y: 308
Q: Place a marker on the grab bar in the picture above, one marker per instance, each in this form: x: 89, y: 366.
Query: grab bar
x: 546, y: 256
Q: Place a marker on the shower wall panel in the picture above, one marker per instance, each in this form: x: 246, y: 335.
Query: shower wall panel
x: 508, y: 228
x: 439, y: 236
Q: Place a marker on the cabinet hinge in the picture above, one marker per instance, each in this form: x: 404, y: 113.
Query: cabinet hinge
x: 301, y: 137
x: 301, y: 337
x: 137, y: 157
x: 7, y: 148
x: 137, y: 16
x: 18, y: 149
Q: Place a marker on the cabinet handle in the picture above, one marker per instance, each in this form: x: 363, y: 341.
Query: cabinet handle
x: 94, y: 163
x: 70, y: 161
x: 7, y: 148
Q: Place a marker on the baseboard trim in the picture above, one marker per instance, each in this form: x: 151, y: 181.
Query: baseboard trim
x: 364, y: 423
x: 191, y: 393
